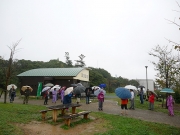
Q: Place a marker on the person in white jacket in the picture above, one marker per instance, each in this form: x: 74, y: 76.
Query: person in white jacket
x: 132, y: 100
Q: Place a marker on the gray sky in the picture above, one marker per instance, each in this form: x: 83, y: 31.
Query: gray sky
x: 115, y: 35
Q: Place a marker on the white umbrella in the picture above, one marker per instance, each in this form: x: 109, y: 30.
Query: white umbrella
x: 57, y: 87
x: 68, y: 90
x: 95, y: 87
x: 25, y: 87
x: 130, y: 87
x: 45, y: 89
x: 10, y: 86
x: 49, y: 85
x: 96, y: 92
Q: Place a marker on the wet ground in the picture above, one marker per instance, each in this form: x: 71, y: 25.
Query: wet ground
x: 110, y: 107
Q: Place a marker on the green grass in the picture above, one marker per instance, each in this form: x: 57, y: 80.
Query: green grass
x: 119, y: 125
x: 16, y: 113
x: 116, y: 125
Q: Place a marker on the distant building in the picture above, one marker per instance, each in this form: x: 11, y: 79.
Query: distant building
x: 150, y: 82
x: 60, y: 76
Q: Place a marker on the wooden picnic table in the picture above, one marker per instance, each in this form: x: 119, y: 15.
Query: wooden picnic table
x: 62, y: 107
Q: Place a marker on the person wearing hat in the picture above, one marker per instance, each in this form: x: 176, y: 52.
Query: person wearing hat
x: 132, y: 100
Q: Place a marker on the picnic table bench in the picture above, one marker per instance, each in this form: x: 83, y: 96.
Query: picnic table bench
x: 61, y: 107
x: 68, y: 118
x: 43, y: 112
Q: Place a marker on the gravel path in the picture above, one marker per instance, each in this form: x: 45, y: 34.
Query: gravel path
x: 111, y: 107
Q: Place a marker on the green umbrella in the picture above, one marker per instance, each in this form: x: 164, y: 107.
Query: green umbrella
x: 167, y: 90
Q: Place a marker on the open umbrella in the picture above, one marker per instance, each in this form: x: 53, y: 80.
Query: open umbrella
x: 153, y: 93
x: 73, y: 85
x: 68, y: 91
x: 123, y: 93
x: 102, y: 85
x: 96, y: 92
x: 10, y: 86
x: 141, y: 86
x: 167, y: 90
x: 95, y: 87
x: 45, y: 89
x: 79, y: 90
x: 57, y: 87
x: 79, y: 84
x: 49, y: 85
x: 130, y: 87
x: 25, y: 87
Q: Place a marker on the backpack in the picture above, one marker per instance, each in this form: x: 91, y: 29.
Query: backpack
x: 101, y: 95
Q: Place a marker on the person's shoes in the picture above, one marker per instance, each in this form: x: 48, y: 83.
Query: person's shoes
x: 149, y: 109
x: 133, y: 109
x: 23, y: 103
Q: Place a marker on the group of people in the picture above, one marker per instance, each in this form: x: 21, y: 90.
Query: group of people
x: 151, y: 98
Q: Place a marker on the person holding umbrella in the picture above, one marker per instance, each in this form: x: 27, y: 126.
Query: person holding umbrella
x: 132, y: 100
x: 170, y: 104
x: 141, y: 93
x: 54, y: 96
x: 88, y: 93
x: 26, y: 95
x: 151, y: 101
x: 45, y: 95
x: 124, y: 103
x: 101, y: 100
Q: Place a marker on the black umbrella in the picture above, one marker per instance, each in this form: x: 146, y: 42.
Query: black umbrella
x: 141, y: 86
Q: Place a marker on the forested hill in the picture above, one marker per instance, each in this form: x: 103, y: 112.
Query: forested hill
x: 97, y: 75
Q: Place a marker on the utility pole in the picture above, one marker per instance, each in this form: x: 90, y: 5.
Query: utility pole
x: 146, y: 82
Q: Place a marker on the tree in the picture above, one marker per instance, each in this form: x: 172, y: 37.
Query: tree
x: 80, y: 63
x: 166, y: 66
x: 175, y: 44
x: 8, y: 70
x: 68, y: 61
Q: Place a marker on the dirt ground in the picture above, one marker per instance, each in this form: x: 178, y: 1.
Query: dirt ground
x: 110, y: 107
x: 42, y: 128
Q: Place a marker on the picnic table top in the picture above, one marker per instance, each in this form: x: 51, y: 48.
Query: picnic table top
x: 63, y: 106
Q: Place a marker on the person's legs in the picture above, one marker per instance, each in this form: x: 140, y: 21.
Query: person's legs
x: 152, y: 106
x: 125, y: 109
x: 27, y: 99
x: 133, y: 104
x: 99, y: 105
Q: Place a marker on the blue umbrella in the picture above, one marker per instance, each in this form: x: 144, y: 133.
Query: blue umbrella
x: 167, y: 90
x: 123, y: 93
x: 102, y: 85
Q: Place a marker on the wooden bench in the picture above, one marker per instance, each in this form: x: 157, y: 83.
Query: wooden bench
x: 43, y: 112
x: 69, y: 117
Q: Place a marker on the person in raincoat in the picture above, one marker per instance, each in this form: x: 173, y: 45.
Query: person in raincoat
x: 54, y: 96
x: 12, y: 93
x: 170, y: 104
x: 62, y: 93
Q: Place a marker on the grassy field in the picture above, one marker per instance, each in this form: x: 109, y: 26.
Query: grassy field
x: 12, y: 114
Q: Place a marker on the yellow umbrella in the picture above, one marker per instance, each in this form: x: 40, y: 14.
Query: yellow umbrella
x: 25, y: 87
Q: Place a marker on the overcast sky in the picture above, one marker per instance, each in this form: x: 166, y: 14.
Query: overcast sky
x: 115, y: 35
